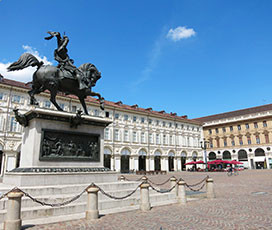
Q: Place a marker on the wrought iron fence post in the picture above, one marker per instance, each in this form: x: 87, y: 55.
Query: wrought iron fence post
x: 13, y: 217
x: 173, y: 182
x: 144, y: 202
x: 210, y: 188
x: 182, y: 192
x: 92, y: 205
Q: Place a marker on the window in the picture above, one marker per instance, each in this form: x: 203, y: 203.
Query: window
x: 150, y: 138
x: 163, y: 123
x: 107, y: 114
x: 257, y: 139
x: 1, y: 96
x: 239, y: 127
x: 142, y: 137
x: 240, y: 141
x: 47, y: 104
x: 134, y: 136
x: 149, y: 121
x: 13, y: 124
x: 210, y: 131
x: 107, y: 133
x: 171, y: 140
x: 158, y: 122
x: 126, y: 135
x: 96, y: 113
x: 134, y: 118
x: 16, y: 98
x: 231, y: 128
x: 62, y: 106
x: 164, y: 139
x: 157, y: 139
x: 116, y: 116
x: 247, y: 126
x: 232, y: 142
x: 255, y: 125
x: 211, y: 144
x: 264, y: 124
x: 116, y: 135
x: 125, y: 117
x: 74, y: 108
x: 142, y: 120
x: 248, y: 140
x: 224, y: 129
x: 176, y: 125
x: 266, y: 138
x: 170, y: 124
x: 225, y: 142
x: 216, y: 130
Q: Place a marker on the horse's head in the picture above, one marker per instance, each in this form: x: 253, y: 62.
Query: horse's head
x: 91, y: 73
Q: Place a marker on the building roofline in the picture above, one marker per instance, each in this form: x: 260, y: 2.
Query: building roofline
x: 235, y: 113
x: 118, y: 104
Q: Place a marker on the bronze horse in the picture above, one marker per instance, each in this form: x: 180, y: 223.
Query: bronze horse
x: 56, y: 80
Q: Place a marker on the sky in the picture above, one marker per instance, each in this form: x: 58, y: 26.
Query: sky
x: 192, y: 57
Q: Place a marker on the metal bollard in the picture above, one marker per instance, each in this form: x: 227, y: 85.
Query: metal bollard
x: 181, y: 192
x: 210, y: 188
x: 92, y: 205
x: 13, y: 217
x: 173, y: 182
x: 122, y: 178
x: 145, y: 203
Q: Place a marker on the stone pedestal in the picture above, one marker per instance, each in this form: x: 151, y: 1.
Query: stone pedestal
x: 61, y: 148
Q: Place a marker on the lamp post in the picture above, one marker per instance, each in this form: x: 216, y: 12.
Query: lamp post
x: 204, y: 145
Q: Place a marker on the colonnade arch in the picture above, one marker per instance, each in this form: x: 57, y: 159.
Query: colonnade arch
x: 107, y: 157
x: 259, y: 152
x: 125, y: 155
x: 212, y: 156
x: 226, y: 155
x: 1, y: 157
x: 157, y: 159
x: 142, y: 160
x: 171, y: 156
x: 183, y: 160
x: 242, y: 155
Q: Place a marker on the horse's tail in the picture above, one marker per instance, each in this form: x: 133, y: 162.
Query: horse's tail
x: 24, y: 61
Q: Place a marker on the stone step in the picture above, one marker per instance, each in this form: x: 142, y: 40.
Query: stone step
x: 72, y: 189
x: 28, y: 213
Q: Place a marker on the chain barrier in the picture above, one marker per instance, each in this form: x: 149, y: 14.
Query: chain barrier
x: 198, y: 183
x: 151, y: 182
x: 195, y: 190
x: 118, y: 198
x: 132, y: 180
x: 51, y: 204
x: 164, y: 191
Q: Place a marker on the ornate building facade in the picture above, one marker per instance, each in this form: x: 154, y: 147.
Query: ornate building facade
x: 137, y: 139
x: 244, y: 135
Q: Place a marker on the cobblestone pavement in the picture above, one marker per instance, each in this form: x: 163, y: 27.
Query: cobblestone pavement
x: 237, y: 205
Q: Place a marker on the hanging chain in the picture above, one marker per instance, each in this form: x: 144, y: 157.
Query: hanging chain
x: 119, y: 198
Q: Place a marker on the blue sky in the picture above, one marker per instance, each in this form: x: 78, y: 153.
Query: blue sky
x: 190, y: 57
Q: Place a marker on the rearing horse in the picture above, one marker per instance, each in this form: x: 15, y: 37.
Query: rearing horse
x: 55, y: 80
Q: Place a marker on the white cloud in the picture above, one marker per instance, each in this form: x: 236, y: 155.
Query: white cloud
x: 24, y: 75
x: 181, y: 32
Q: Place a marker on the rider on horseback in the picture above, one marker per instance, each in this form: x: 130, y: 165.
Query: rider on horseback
x: 61, y: 56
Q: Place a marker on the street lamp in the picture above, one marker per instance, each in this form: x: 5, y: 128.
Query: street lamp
x: 203, y: 145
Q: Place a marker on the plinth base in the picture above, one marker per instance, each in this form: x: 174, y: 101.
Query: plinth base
x: 58, y: 176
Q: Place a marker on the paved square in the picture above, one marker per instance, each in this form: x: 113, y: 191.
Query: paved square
x: 242, y: 202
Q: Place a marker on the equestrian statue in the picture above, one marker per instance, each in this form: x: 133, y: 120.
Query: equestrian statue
x: 65, y: 77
